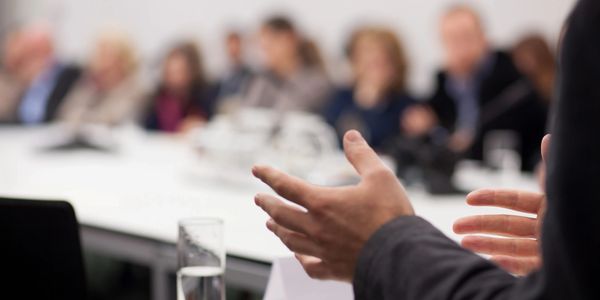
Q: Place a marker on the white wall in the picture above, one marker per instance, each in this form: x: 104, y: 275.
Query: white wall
x: 154, y: 23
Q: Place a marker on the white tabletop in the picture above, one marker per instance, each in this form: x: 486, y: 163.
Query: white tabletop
x: 155, y: 180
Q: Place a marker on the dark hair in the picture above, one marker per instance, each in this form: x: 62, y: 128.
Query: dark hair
x: 538, y: 48
x: 280, y: 24
x: 311, y: 55
x: 308, y: 50
x: 394, y: 48
x: 191, y: 53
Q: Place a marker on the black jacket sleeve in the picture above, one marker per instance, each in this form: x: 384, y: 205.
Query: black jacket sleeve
x: 409, y: 259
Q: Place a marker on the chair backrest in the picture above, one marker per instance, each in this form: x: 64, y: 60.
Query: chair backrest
x: 40, y: 251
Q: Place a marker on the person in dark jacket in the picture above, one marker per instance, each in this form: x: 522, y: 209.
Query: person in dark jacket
x: 46, y: 81
x: 376, y: 100
x: 479, y: 91
x: 183, y: 99
x: 368, y: 234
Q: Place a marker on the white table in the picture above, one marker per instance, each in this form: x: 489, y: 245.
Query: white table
x: 129, y: 202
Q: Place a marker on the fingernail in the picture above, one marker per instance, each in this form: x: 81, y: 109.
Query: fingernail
x: 354, y: 136
x: 481, y: 194
x: 257, y: 199
x: 254, y: 169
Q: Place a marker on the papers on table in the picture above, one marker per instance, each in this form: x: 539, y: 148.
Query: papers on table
x: 288, y: 281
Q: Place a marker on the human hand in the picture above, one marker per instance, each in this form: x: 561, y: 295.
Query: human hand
x: 460, y: 141
x: 331, y: 225
x: 519, y: 254
x: 417, y: 120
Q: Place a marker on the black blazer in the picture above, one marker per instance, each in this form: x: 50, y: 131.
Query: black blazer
x: 65, y: 82
x: 521, y: 110
x: 409, y: 259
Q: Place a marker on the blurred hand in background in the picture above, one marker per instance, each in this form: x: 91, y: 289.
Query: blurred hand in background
x: 418, y: 120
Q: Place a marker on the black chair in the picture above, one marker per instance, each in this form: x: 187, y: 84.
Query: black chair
x: 40, y: 251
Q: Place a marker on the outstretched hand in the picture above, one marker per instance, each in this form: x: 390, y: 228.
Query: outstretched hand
x: 514, y: 240
x: 517, y: 250
x: 329, y: 226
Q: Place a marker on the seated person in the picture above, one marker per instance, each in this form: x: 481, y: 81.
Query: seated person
x: 479, y: 91
x: 378, y: 96
x: 182, y: 99
x: 108, y: 93
x: 233, y: 86
x: 10, y: 88
x: 534, y: 58
x: 46, y: 80
x: 295, y: 78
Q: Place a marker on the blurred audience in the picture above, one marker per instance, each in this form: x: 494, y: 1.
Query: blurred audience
x: 108, y: 93
x: 233, y: 86
x: 183, y: 97
x: 378, y: 96
x: 479, y: 91
x: 46, y: 80
x: 535, y: 59
x: 294, y: 78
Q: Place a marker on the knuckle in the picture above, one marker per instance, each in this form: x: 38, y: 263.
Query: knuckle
x: 313, y: 272
x: 285, y: 239
x: 277, y: 185
x: 382, y: 174
x: 318, y: 237
x: 275, y: 213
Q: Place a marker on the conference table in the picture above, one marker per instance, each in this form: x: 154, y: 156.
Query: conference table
x: 128, y: 201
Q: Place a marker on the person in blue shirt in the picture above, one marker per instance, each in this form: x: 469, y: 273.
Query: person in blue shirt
x: 377, y: 98
x: 47, y: 81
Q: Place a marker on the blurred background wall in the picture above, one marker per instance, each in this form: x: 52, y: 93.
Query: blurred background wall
x: 155, y: 23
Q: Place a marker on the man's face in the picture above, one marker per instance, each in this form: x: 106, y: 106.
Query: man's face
x: 234, y: 48
x: 464, y: 42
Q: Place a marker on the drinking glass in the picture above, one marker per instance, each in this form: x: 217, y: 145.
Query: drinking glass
x: 201, y: 255
x: 501, y: 153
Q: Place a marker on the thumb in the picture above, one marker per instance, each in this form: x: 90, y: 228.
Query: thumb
x: 545, y: 147
x: 360, y: 154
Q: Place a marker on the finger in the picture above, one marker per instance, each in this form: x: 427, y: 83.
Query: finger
x: 295, y: 241
x: 360, y: 154
x: 545, y: 146
x: 528, y: 202
x: 315, y: 267
x: 289, y: 187
x: 520, y: 266
x: 286, y: 215
x: 503, y: 225
x: 501, y: 246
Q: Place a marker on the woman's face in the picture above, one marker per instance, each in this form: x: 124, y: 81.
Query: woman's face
x: 107, y: 63
x: 372, y: 62
x: 278, y: 47
x: 176, y: 74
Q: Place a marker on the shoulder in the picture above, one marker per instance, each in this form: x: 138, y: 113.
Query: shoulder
x: 504, y: 66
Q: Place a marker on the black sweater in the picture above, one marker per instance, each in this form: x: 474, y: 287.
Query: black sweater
x: 409, y: 259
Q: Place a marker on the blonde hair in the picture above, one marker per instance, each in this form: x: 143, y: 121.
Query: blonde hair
x: 393, y: 46
x: 123, y: 44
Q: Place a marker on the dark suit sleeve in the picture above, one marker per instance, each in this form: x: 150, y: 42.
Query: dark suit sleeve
x: 409, y: 259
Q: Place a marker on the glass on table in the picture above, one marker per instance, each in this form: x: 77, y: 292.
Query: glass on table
x: 201, y: 255
x: 501, y: 153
